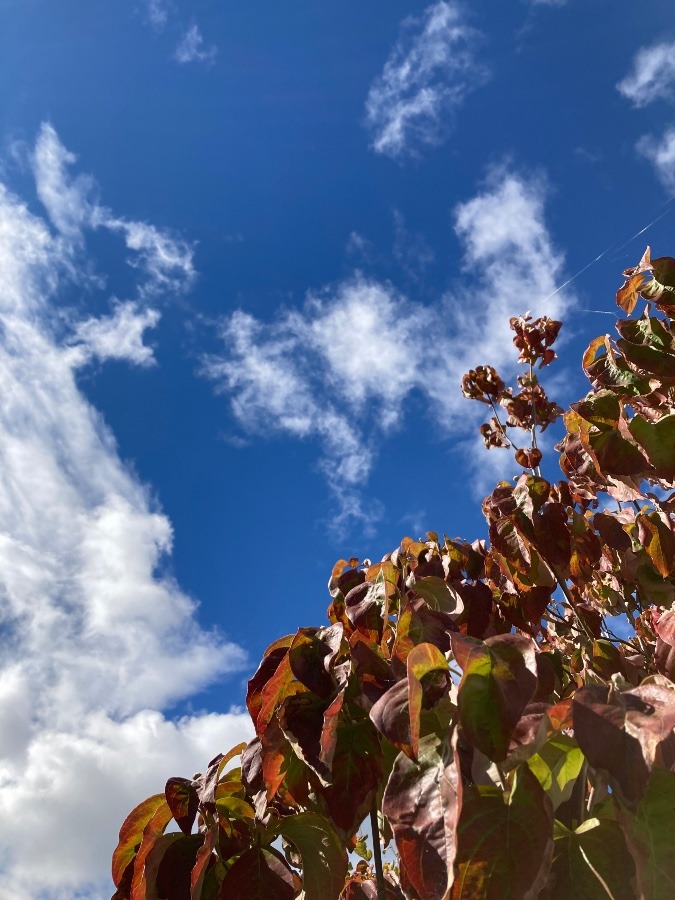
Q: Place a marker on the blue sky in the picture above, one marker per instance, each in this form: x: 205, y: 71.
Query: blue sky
x: 246, y: 253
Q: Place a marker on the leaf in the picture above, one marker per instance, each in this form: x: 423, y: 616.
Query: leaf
x: 258, y: 875
x: 438, y: 594
x: 422, y: 801
x: 616, y: 455
x: 592, y: 861
x: 626, y: 734
x: 131, y: 832
x: 423, y: 660
x: 357, y: 767
x: 152, y: 832
x: 499, y: 678
x: 657, y: 439
x: 202, y: 863
x: 505, y: 841
x: 183, y: 802
x: 627, y: 295
x: 557, y: 766
x: 650, y: 837
x: 171, y: 866
x: 391, y: 716
x: 418, y: 624
x: 311, y: 656
x: 324, y: 860
x: 659, y: 541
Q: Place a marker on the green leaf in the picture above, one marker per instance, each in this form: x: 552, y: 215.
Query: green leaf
x: 258, y: 874
x: 499, y: 678
x: 505, y: 841
x: 557, y: 766
x: 591, y: 862
x: 657, y: 439
x: 650, y: 837
x: 422, y: 802
x: 423, y: 660
x: 324, y: 860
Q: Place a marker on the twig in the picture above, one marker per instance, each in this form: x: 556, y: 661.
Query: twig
x: 377, y: 853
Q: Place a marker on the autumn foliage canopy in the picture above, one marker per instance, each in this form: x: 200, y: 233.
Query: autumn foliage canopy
x: 501, y: 711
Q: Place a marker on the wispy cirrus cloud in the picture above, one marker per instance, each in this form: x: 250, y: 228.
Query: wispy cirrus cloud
x: 98, y: 638
x: 652, y: 76
x: 339, y: 371
x: 427, y: 77
x: 164, y: 260
x: 191, y: 48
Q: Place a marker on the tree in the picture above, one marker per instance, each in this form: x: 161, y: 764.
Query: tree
x: 503, y: 711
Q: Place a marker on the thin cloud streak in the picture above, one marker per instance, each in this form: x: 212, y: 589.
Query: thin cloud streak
x: 427, y: 77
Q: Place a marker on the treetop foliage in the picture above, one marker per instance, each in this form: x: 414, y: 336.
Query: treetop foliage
x: 502, y: 710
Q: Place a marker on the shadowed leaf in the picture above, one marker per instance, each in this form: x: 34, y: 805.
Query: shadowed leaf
x: 183, y: 801
x: 650, y: 837
x: 324, y: 860
x: 505, y: 842
x: 258, y: 875
x: 592, y: 861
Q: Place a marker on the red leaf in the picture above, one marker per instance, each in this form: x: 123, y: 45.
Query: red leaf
x: 183, y: 802
x: 131, y: 832
x: 422, y: 801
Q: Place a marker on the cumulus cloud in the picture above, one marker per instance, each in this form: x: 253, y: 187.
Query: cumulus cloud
x: 429, y: 73
x: 97, y: 638
x: 340, y: 370
x: 653, y: 75
x: 661, y: 153
x: 118, y: 336
x: 191, y: 48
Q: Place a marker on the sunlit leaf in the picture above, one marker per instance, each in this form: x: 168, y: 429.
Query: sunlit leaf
x: 131, y: 832
x: 557, y: 766
x: 499, y: 677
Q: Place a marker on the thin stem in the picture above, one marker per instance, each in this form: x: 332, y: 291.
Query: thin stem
x: 568, y: 596
x: 583, y: 776
x: 533, y: 430
x: 377, y: 853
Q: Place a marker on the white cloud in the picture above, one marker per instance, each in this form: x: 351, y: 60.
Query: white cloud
x: 340, y: 370
x: 191, y: 48
x: 429, y: 73
x: 158, y: 13
x: 661, y: 153
x: 71, y: 204
x: 97, y: 638
x: 652, y: 76
x: 118, y: 336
